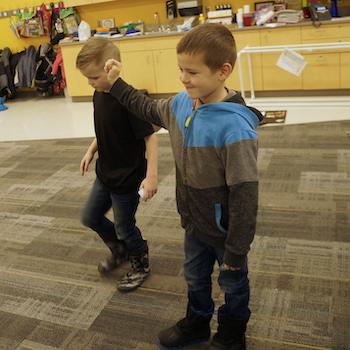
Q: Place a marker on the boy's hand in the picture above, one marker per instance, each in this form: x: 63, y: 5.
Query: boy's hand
x: 84, y: 164
x: 150, y: 186
x: 226, y: 267
x: 112, y: 68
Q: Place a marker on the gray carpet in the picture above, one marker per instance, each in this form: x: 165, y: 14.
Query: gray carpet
x: 52, y: 297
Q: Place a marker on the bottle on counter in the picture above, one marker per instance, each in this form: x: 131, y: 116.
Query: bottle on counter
x: 201, y: 19
x: 84, y: 32
x: 239, y: 18
x: 334, y: 9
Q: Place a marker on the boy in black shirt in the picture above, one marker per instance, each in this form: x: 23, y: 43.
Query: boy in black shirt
x: 121, y: 168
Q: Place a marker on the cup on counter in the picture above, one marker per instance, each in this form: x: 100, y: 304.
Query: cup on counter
x: 247, y: 19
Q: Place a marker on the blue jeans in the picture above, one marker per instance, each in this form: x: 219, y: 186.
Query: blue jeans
x: 198, y: 268
x: 124, y: 208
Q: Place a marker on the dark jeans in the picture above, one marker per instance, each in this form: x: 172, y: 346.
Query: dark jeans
x: 198, y: 268
x: 124, y: 208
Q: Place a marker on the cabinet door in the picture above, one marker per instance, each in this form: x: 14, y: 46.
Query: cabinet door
x: 321, y: 71
x: 167, y: 71
x: 345, y: 70
x: 70, y: 3
x: 138, y: 70
x: 99, y: 1
x: 243, y: 39
x: 326, y: 33
x: 275, y: 78
x: 77, y: 84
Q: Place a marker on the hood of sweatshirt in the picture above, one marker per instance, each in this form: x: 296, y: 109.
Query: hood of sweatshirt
x: 236, y: 97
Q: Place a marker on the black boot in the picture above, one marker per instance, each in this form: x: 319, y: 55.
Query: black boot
x: 194, y: 328
x: 230, y: 335
x: 117, y: 256
x: 139, y: 271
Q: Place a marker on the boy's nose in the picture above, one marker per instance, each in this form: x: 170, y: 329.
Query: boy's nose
x: 183, y: 77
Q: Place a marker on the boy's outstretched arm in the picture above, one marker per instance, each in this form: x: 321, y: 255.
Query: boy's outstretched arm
x: 113, y: 69
x: 138, y: 103
x: 150, y: 182
x: 88, y: 157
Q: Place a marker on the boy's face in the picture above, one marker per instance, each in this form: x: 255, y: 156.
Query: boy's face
x: 96, y: 76
x: 199, y: 81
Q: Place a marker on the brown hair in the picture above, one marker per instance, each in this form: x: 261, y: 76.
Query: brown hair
x: 97, y: 50
x: 214, y: 41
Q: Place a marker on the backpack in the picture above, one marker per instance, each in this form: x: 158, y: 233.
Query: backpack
x: 43, y: 80
x: 26, y: 68
x: 7, y: 86
x: 56, y: 22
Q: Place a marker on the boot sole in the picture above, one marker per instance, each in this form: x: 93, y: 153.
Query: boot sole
x: 182, y: 345
x: 126, y: 289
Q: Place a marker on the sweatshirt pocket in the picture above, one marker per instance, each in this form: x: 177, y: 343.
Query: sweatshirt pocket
x: 218, y: 217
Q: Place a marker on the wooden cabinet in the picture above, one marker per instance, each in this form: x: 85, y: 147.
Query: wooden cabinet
x: 77, y: 84
x: 155, y: 70
x: 99, y: 1
x: 325, y: 33
x: 167, y: 71
x: 345, y: 70
x: 325, y: 67
x: 151, y: 64
x: 243, y: 39
x: 138, y: 70
x: 275, y: 78
x: 321, y: 71
x: 69, y: 3
x: 146, y: 64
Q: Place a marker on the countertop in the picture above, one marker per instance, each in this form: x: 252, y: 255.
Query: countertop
x: 233, y: 28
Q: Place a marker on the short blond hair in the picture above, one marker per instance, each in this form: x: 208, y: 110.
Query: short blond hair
x: 97, y: 50
x: 214, y: 41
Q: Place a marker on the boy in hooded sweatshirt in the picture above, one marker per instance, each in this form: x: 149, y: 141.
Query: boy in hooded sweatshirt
x: 215, y: 149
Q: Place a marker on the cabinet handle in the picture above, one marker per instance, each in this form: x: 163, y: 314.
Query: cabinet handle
x: 158, y: 54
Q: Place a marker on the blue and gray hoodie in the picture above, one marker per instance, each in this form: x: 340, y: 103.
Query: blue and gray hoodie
x: 215, y: 149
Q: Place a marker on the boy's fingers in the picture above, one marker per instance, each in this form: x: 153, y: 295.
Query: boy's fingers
x: 109, y: 64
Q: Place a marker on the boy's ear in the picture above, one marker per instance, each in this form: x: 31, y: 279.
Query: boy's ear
x: 226, y: 70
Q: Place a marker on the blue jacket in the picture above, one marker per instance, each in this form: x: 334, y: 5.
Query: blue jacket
x: 215, y: 149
